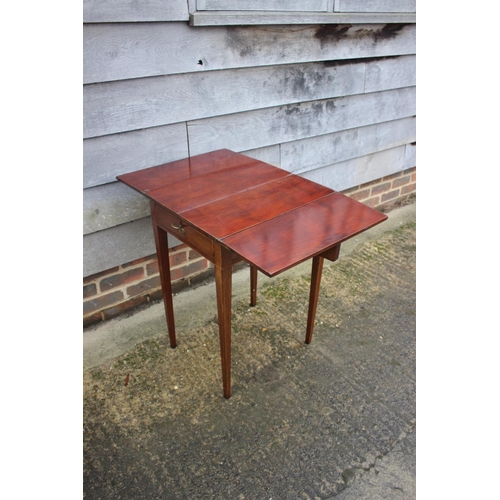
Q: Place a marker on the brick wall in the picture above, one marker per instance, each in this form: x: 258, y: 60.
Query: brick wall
x: 112, y: 292
x: 123, y: 288
x: 386, y: 192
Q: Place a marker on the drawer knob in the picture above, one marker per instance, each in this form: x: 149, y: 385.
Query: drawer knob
x: 179, y: 228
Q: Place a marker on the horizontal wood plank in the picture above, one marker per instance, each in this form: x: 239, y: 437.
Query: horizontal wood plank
x: 115, y: 11
x: 110, y: 205
x: 323, y: 150
x: 281, y: 124
x: 391, y: 73
x: 268, y: 154
x: 238, y: 18
x: 106, y: 157
x: 357, y: 171
x: 133, y: 50
x: 375, y: 6
x: 135, y: 104
x: 410, y: 155
x: 118, y: 245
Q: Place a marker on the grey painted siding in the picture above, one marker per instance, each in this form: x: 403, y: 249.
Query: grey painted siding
x: 335, y: 104
x: 134, y: 50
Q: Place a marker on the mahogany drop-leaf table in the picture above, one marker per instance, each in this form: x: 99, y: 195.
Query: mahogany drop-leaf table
x: 230, y: 207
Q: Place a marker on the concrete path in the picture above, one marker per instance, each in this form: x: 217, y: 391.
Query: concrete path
x: 333, y: 419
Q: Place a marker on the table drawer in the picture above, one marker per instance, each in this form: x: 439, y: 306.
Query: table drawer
x: 183, y: 231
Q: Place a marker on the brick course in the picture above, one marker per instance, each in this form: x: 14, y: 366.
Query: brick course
x: 110, y: 293
x: 121, y: 279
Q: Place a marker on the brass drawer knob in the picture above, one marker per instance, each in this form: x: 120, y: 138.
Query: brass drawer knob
x: 179, y: 228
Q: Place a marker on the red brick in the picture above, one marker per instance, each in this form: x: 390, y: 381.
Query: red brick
x: 414, y: 177
x: 144, y: 286
x: 177, y: 274
x: 178, y: 258
x: 181, y: 246
x: 193, y: 255
x: 96, y: 276
x: 89, y: 290
x: 121, y: 279
x: 360, y: 195
x: 390, y: 195
x: 102, y: 301
x: 401, y: 181
x: 156, y: 295
x: 152, y: 268
x: 381, y: 188
x: 367, y: 184
x: 372, y: 202
x: 410, y: 188
x: 186, y: 271
x: 391, y: 177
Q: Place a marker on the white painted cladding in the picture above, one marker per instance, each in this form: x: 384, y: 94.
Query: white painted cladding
x: 157, y: 92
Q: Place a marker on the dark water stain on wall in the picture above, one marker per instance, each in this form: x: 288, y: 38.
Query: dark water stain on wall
x: 302, y: 81
x: 388, y: 31
x: 237, y: 41
x: 329, y: 33
x: 345, y: 62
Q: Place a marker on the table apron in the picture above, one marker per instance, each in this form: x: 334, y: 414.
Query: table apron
x: 195, y: 239
x: 332, y: 253
x: 187, y: 234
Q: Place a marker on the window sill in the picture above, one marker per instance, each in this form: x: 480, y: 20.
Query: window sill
x: 242, y: 18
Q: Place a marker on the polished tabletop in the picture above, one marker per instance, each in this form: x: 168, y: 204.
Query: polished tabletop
x: 270, y: 217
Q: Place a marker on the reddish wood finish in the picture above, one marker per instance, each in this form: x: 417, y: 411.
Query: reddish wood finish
x: 229, y: 207
x: 253, y: 285
x: 332, y: 254
x: 148, y: 179
x: 223, y: 285
x: 317, y: 269
x: 166, y: 285
x: 206, y: 189
x: 183, y: 231
x: 251, y: 207
x: 303, y: 232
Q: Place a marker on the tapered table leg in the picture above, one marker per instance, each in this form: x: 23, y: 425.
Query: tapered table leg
x: 161, y: 242
x: 317, y: 268
x: 223, y: 285
x: 253, y: 285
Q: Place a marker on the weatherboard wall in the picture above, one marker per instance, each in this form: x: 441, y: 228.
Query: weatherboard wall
x: 334, y: 103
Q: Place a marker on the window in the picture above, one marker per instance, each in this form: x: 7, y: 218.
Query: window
x: 243, y: 12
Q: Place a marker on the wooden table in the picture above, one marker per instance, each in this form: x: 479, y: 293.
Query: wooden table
x: 229, y: 207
